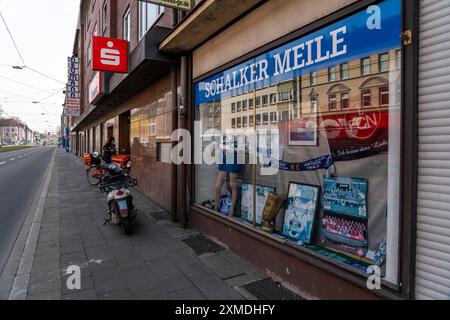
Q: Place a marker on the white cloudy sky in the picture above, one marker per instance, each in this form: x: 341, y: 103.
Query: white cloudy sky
x: 44, y: 31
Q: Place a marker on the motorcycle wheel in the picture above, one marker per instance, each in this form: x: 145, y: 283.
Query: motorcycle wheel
x: 93, y: 176
x: 126, y: 226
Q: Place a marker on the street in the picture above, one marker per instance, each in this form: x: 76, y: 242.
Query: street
x: 21, y: 173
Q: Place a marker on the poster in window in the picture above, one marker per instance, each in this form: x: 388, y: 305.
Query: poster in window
x: 347, y: 196
x: 262, y: 193
x: 302, y: 207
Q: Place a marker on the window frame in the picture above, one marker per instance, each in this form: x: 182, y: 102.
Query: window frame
x: 363, y: 66
x: 346, y: 70
x: 313, y: 78
x: 381, y: 62
x: 105, y: 16
x: 126, y: 25
x: 332, y: 99
x: 332, y: 74
x: 381, y: 94
x: 145, y: 25
x: 343, y: 107
x: 364, y: 94
x: 409, y: 62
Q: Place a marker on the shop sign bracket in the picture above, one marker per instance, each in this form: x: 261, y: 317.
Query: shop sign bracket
x: 406, y: 37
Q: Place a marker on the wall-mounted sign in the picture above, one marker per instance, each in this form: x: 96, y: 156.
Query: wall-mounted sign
x: 72, y: 105
x: 109, y: 55
x: 96, y: 90
x: 185, y: 5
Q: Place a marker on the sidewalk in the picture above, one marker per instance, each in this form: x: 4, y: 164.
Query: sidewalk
x: 154, y: 263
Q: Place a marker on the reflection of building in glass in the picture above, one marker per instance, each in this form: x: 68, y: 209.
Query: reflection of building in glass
x: 272, y: 104
x: 359, y: 85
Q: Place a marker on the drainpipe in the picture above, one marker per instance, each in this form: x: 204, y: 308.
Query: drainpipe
x: 174, y: 173
x: 182, y: 124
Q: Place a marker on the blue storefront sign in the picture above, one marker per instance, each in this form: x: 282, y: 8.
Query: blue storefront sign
x: 375, y: 29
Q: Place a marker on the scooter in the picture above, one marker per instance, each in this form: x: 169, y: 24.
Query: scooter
x: 120, y: 201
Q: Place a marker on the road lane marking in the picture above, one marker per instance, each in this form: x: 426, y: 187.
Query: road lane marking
x: 12, y: 159
x: 2, y: 163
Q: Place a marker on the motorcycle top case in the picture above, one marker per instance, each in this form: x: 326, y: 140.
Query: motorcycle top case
x: 121, y: 159
x: 87, y: 157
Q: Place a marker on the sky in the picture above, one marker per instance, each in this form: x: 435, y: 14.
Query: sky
x: 44, y: 32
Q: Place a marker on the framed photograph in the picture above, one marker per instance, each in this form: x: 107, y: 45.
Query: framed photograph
x: 346, y: 196
x: 302, y: 203
x: 262, y: 192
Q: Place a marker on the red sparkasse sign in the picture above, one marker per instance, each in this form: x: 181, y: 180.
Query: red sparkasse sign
x: 109, y: 54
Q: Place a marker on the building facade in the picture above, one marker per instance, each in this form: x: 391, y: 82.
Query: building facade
x: 13, y: 132
x: 135, y: 108
x: 342, y: 105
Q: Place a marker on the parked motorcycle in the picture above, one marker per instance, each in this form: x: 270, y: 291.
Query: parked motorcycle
x: 115, y: 185
x: 95, y: 171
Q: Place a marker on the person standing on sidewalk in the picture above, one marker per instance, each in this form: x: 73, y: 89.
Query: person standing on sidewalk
x: 109, y: 149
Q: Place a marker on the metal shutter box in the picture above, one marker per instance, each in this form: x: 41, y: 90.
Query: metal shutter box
x: 433, y: 216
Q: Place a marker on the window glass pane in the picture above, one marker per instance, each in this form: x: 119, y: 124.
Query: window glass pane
x: 384, y: 62
x: 332, y: 74
x: 366, y: 97
x: 345, y: 103
x: 344, y: 71
x: 365, y: 66
x: 328, y: 149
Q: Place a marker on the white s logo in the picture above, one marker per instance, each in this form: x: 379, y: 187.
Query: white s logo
x: 110, y: 57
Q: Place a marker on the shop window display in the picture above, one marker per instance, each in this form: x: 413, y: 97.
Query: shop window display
x: 329, y: 151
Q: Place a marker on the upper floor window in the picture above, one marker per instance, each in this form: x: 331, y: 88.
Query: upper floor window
x: 383, y: 62
x: 344, y: 71
x: 313, y: 78
x: 105, y: 16
x: 148, y: 14
x: 250, y: 104
x: 345, y: 103
x: 365, y: 66
x: 366, y: 98
x: 239, y: 106
x: 89, y: 53
x: 332, y: 102
x: 384, y: 96
x: 127, y: 25
x: 332, y: 74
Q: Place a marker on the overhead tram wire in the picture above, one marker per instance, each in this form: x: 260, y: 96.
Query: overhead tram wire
x: 12, y: 38
x: 53, y: 94
x: 43, y: 74
x: 24, y: 65
x: 21, y: 83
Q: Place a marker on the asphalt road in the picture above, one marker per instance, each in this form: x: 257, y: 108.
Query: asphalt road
x: 21, y: 173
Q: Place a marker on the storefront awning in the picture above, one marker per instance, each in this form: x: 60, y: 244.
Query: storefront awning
x: 207, y: 19
x: 147, y: 65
